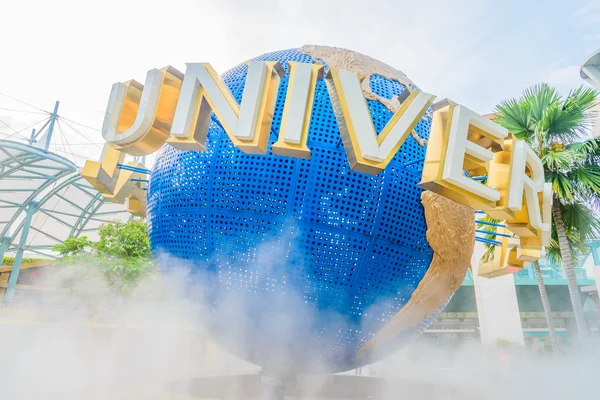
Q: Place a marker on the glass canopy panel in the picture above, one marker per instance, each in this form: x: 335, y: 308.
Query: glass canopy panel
x: 67, y: 205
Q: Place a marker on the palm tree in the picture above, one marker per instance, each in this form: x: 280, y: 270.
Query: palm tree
x: 546, y: 305
x: 556, y: 129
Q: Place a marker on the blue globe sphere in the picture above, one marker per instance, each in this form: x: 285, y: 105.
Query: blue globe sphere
x: 301, y: 261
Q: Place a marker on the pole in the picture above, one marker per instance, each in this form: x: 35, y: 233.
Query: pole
x: 594, y: 248
x: 530, y: 272
x: 4, y: 243
x: 546, y: 306
x: 32, y: 137
x: 14, y: 274
x: 53, y: 117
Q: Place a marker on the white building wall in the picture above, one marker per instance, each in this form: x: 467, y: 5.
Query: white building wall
x: 497, y: 305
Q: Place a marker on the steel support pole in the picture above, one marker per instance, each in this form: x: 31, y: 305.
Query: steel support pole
x: 14, y: 274
x: 594, y: 247
x: 53, y: 117
x: 4, y: 243
x: 32, y: 137
x: 530, y: 271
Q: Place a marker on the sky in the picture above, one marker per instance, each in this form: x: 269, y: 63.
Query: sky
x: 475, y: 52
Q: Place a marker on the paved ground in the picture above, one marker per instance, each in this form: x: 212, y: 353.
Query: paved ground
x: 306, y: 387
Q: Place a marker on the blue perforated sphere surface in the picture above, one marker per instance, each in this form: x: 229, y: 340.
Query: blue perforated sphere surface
x: 300, y: 261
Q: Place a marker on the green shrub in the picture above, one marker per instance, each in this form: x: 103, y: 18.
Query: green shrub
x: 11, y: 260
x: 121, y: 257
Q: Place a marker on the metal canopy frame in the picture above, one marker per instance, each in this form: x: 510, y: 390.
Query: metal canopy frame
x: 26, y: 172
x: 44, y: 201
x: 83, y: 217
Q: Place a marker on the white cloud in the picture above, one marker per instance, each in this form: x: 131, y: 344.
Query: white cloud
x: 589, y: 13
x: 475, y: 52
x: 565, y: 79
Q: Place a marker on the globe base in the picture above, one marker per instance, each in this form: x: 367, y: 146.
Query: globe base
x: 259, y: 386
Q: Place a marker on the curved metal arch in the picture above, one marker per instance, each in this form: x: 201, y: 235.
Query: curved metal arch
x: 88, y: 212
x: 81, y: 223
x: 35, y: 151
x: 44, y: 199
x: 64, y: 167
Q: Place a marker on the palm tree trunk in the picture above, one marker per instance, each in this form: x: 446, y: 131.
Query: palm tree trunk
x: 546, y: 305
x: 567, y: 260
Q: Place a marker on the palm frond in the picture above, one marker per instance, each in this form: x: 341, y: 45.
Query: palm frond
x: 589, y: 150
x: 590, y: 147
x: 560, y: 159
x: 584, y: 97
x: 553, y: 252
x: 562, y: 186
x: 572, y: 118
x: 489, y: 252
x: 514, y: 116
x: 577, y: 246
x: 540, y: 97
x: 564, y: 123
x: 586, y: 178
x: 581, y: 221
x: 554, y: 256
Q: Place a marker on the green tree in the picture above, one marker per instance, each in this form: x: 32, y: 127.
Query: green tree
x: 73, y: 246
x: 556, y: 128
x: 124, y: 240
x: 121, y: 258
